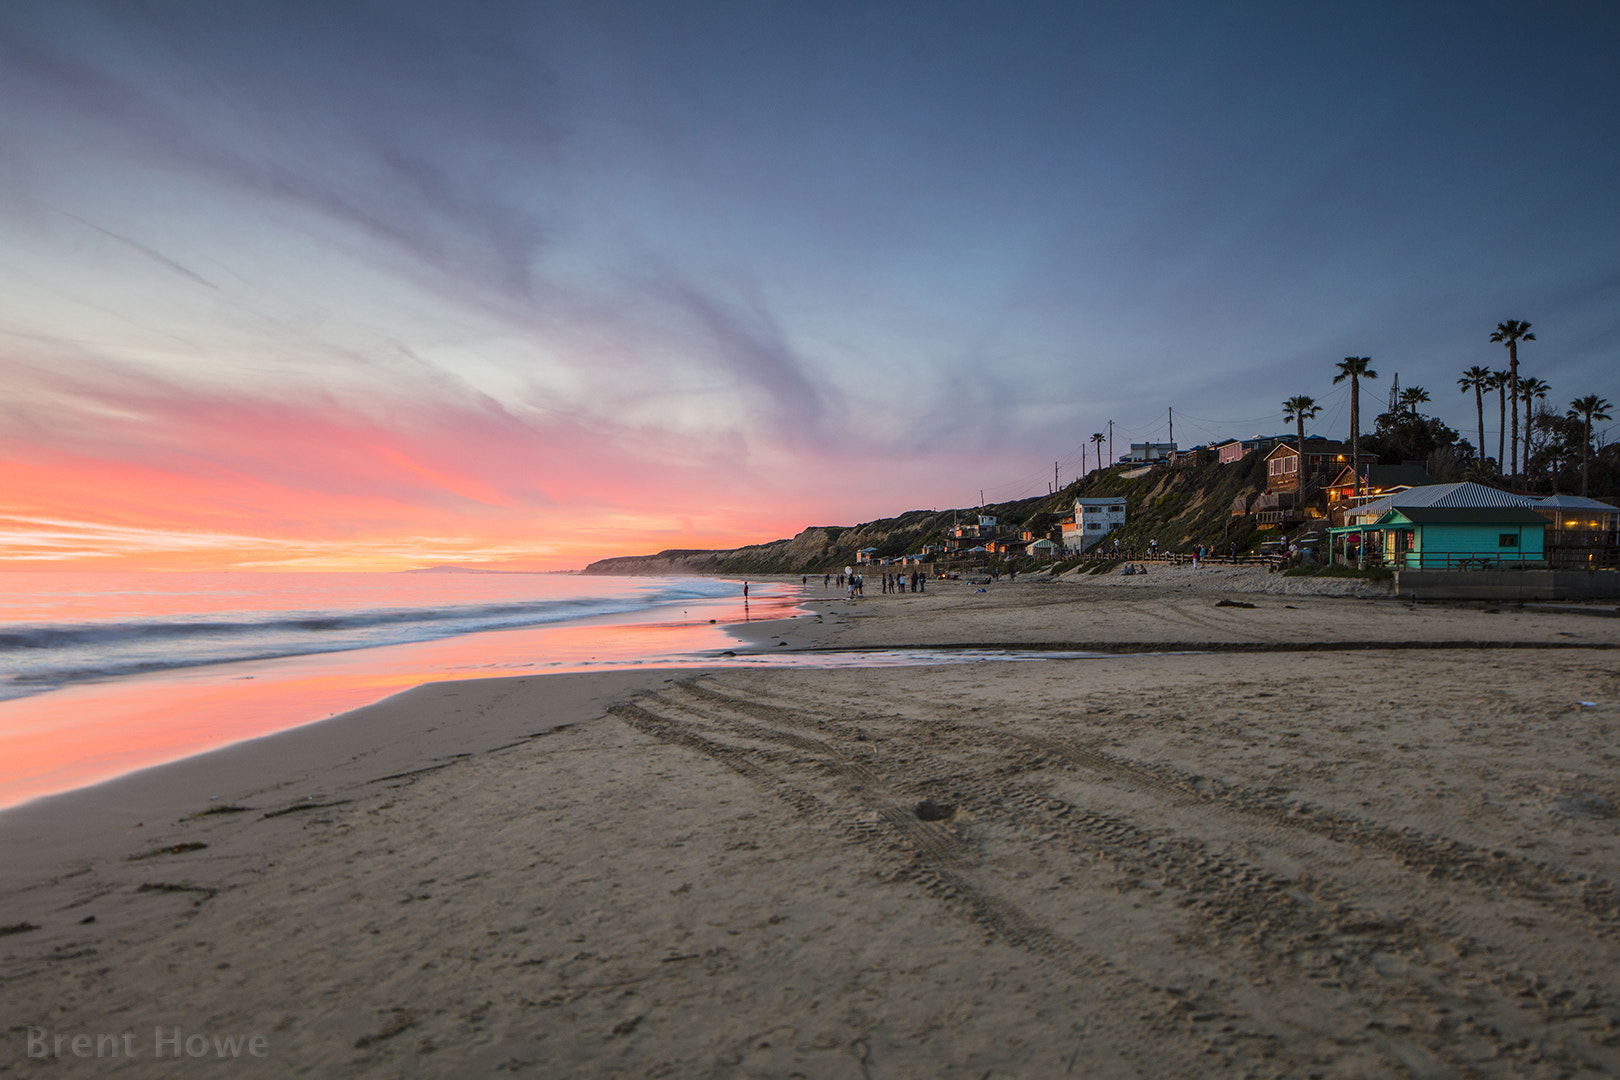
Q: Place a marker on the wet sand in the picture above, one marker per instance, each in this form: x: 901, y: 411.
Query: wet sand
x: 1313, y: 856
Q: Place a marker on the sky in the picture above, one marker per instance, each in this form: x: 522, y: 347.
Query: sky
x: 343, y: 285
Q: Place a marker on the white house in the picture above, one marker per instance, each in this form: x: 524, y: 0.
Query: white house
x: 1150, y: 451
x: 1093, y: 520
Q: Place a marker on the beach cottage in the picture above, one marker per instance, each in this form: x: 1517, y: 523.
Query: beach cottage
x: 1458, y: 537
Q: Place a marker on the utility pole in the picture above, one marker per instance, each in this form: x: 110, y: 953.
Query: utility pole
x: 1172, y: 425
x: 1110, y: 442
x: 1055, y: 484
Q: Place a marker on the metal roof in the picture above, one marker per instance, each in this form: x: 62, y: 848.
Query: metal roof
x: 1470, y: 515
x: 1576, y: 502
x: 1466, y: 493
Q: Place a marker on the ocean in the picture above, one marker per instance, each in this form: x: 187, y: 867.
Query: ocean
x: 58, y: 629
x: 102, y: 674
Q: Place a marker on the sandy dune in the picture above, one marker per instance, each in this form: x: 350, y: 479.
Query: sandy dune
x: 1339, y: 862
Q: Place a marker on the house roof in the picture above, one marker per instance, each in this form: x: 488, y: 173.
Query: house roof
x: 1400, y: 476
x: 1466, y: 493
x: 1468, y: 515
x: 1575, y: 502
x: 1317, y: 446
x: 1404, y: 476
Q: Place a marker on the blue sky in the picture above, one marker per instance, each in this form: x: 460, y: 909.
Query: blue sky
x: 592, y: 278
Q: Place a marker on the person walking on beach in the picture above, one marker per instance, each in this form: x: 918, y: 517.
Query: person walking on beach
x: 745, y: 594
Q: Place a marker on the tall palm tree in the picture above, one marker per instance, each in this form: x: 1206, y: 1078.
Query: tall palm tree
x: 1477, y: 379
x: 1499, y: 383
x: 1510, y: 333
x: 1300, y: 409
x: 1530, y: 391
x: 1413, y: 396
x: 1587, y: 409
x: 1097, y: 437
x: 1355, y: 369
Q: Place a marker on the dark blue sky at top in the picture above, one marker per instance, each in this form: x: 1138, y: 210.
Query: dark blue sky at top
x: 825, y: 233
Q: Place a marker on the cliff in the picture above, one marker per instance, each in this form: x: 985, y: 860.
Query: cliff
x: 1178, y: 507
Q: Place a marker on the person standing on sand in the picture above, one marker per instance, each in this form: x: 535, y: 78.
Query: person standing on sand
x: 745, y: 594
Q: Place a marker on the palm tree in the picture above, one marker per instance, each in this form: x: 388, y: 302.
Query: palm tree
x: 1413, y: 396
x: 1097, y: 437
x: 1499, y: 383
x: 1355, y: 369
x: 1510, y: 333
x: 1587, y: 409
x: 1477, y: 379
x: 1300, y: 409
x: 1530, y: 390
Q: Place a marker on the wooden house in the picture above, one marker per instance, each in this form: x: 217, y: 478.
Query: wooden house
x: 1377, y: 481
x: 1233, y: 450
x: 1322, y: 458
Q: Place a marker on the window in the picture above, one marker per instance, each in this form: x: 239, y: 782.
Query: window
x: 1506, y: 540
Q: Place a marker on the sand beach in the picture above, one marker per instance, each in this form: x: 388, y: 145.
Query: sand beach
x: 1291, y: 833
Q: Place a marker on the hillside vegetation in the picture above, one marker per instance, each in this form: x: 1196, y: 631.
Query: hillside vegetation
x: 1179, y: 507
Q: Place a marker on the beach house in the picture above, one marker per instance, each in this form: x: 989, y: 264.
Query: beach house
x: 1150, y: 451
x: 1581, y: 533
x: 1377, y: 481
x: 1458, y: 537
x: 1322, y: 459
x: 1233, y: 450
x: 1371, y: 534
x: 1094, y: 518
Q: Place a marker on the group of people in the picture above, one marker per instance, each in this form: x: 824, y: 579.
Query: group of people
x: 916, y: 581
x: 898, y: 583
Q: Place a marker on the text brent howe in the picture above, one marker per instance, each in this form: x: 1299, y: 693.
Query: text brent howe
x: 174, y: 1044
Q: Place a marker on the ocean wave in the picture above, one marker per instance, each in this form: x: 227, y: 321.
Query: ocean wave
x: 40, y: 656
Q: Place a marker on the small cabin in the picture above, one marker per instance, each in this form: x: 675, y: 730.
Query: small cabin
x: 1459, y: 537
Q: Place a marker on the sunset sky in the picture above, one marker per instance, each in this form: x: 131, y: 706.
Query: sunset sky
x: 374, y: 285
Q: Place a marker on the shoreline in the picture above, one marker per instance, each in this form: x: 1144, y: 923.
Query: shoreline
x: 1265, y: 858
x: 150, y: 719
